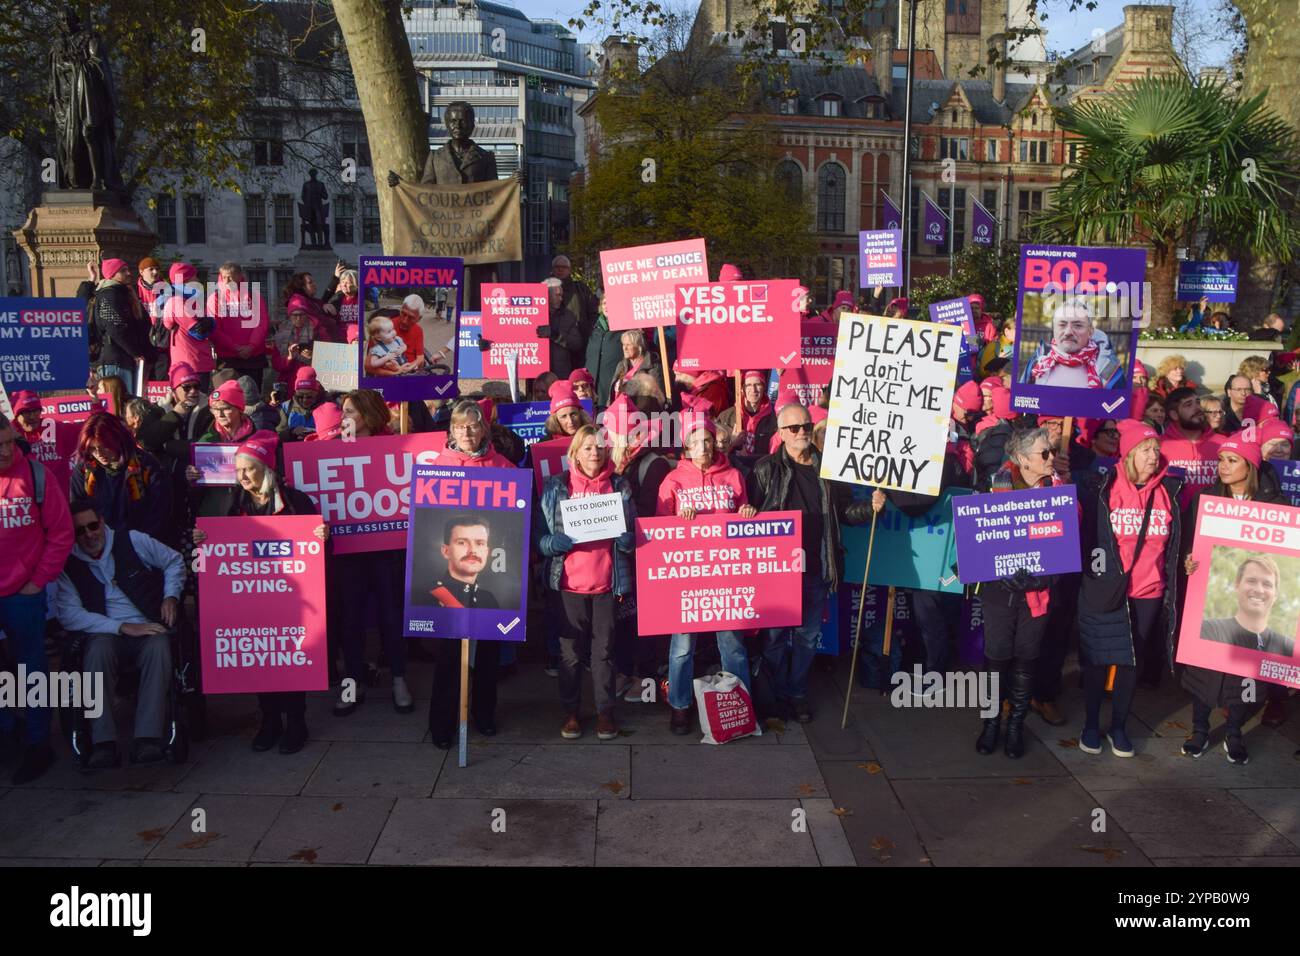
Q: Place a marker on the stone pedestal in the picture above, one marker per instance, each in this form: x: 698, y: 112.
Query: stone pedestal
x: 74, y: 226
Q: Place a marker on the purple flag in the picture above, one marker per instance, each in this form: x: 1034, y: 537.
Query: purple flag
x: 893, y: 218
x: 934, y: 223
x: 983, y: 225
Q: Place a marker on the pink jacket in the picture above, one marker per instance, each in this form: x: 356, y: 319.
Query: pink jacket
x: 1128, y: 505
x: 720, y: 490
x: 235, y: 330
x: 35, y: 541
x: 493, y: 459
x: 198, y: 353
x: 589, y: 567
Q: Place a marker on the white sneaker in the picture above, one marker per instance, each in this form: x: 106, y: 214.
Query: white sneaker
x: 403, y: 702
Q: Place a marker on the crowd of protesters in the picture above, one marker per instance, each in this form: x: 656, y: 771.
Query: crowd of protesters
x: 239, y: 372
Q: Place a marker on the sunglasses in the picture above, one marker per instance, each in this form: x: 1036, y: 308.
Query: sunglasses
x: 189, y: 387
x: 90, y: 528
x: 805, y: 427
x: 1045, y: 454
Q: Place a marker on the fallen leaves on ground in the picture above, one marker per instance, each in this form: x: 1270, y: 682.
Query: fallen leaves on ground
x: 614, y: 786
x: 306, y: 855
x: 1068, y: 743
x: 1107, y: 853
x: 806, y: 789
x: 201, y: 841
x: 842, y: 812
x: 882, y: 843
x: 1176, y: 723
x: 337, y: 807
x: 870, y: 767
x: 775, y: 724
x: 150, y: 835
x: 1021, y: 781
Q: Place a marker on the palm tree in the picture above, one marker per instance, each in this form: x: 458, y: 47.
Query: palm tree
x: 1168, y: 163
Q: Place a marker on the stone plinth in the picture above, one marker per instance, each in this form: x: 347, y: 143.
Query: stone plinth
x: 72, y: 227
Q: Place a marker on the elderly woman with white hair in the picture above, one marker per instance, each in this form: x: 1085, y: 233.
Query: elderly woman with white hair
x: 262, y: 492
x: 637, y: 358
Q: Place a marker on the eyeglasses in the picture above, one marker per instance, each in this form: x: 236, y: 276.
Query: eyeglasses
x: 1045, y: 454
x: 89, y: 528
x: 805, y: 427
x: 191, y: 387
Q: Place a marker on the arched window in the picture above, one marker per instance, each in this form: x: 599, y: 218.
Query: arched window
x: 790, y: 178
x: 830, y: 198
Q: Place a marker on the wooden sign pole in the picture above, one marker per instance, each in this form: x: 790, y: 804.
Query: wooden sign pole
x: 857, y: 628
x: 663, y: 358
x: 462, y: 757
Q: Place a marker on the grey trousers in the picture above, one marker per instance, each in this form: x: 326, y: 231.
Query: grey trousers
x: 152, y: 656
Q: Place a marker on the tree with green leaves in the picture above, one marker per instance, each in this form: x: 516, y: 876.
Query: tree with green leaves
x: 1169, y: 164
x: 992, y: 271
x: 679, y: 157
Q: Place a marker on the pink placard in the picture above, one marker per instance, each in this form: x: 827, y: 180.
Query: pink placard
x: 806, y: 383
x: 719, y: 573
x: 215, y: 462
x: 550, y: 457
x: 262, y: 605
x: 1242, y: 616
x: 157, y: 392
x: 749, y: 324
x: 362, y: 487
x: 640, y: 282
x: 512, y: 311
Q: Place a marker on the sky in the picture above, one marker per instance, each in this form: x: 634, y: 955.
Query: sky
x: 1066, y: 30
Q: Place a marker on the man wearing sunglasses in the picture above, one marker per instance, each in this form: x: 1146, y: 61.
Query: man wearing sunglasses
x: 790, y: 480
x: 35, y: 539
x: 121, y: 591
x: 187, y: 407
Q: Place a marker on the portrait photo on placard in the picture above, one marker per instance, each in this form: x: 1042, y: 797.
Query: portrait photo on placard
x: 410, y: 332
x: 1073, y: 341
x: 1252, y: 600
x: 468, y: 558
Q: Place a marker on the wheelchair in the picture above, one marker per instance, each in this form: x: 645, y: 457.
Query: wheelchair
x: 184, y: 704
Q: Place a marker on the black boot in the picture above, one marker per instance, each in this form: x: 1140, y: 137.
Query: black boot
x: 1022, y: 687
x: 295, y: 734
x: 268, y: 733
x: 987, y: 742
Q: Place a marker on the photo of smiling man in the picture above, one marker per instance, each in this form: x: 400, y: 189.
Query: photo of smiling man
x: 1078, y: 354
x: 1256, y: 590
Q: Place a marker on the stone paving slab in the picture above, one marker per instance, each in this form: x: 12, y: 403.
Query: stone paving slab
x: 66, y: 773
x: 375, y: 720
x: 829, y: 840
x: 458, y: 832
x: 724, y: 772
x: 729, y: 833
x: 1031, y: 821
x: 1280, y: 808
x: 231, y: 766
x: 1234, y: 861
x: 86, y: 824
x: 543, y: 772
x: 325, y: 830
x: 1193, y: 822
x: 233, y: 826
x: 377, y: 770
x: 878, y: 827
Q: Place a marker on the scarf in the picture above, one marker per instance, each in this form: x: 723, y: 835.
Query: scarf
x: 634, y: 369
x: 137, y: 477
x: 483, y: 449
x: 1085, y: 357
x: 751, y: 420
x: 243, y: 431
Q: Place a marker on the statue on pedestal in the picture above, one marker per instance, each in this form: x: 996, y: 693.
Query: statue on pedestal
x: 313, y: 210
x: 84, y: 106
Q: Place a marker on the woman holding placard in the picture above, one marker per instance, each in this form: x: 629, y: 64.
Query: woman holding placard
x: 1242, y: 475
x: 262, y: 492
x: 591, y: 577
x: 1015, y: 608
x: 1130, y: 536
x: 703, y: 483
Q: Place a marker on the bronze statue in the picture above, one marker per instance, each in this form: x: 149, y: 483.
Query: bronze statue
x: 84, y: 106
x: 313, y: 210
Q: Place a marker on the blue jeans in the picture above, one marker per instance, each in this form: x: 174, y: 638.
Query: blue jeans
x: 681, y: 664
x: 22, y: 618
x: 789, y: 666
x: 127, y: 375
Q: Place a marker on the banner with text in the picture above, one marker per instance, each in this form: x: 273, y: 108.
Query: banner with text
x: 746, y: 324
x: 808, y: 381
x: 335, y: 364
x: 528, y: 420
x: 918, y: 552
x: 262, y: 605
x: 410, y: 311
x: 641, y: 281
x: 998, y: 534
x: 891, y: 402
x: 1216, y: 281
x: 476, y: 222
x: 512, y: 311
x: 880, y: 255
x: 43, y: 345
x: 719, y: 573
x: 1242, y: 614
x: 362, y: 487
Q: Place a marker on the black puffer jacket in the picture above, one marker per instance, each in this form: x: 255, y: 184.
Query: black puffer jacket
x: 1214, y: 688
x: 1105, y: 631
x: 768, y: 489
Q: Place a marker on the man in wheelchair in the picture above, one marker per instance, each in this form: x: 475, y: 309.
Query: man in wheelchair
x: 118, y: 597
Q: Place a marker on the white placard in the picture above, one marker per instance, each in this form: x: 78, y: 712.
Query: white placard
x: 593, y: 517
x: 336, y: 365
x: 6, y: 409
x: 891, y: 402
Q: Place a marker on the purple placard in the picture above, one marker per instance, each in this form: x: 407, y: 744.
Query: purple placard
x: 934, y: 223
x: 957, y: 312
x: 425, y: 368
x: 1216, y: 281
x: 880, y: 258
x: 1076, y: 330
x: 215, y: 462
x: 1288, y: 474
x: 997, y: 534
x: 476, y: 585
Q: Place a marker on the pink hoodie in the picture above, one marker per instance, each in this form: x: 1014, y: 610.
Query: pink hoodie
x: 589, y: 567
x: 1128, y: 504
x: 35, y: 541
x: 493, y: 459
x: 720, y: 490
x: 198, y: 354
x: 235, y: 329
